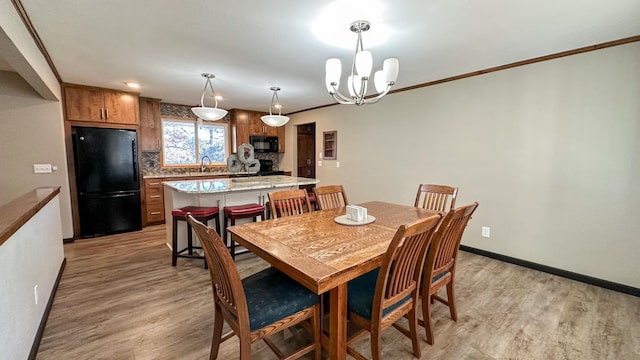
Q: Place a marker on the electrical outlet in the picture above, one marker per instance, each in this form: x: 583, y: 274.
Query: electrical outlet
x: 337, y: 163
x: 319, y: 163
x: 41, y: 168
x: 35, y: 294
x: 486, y: 231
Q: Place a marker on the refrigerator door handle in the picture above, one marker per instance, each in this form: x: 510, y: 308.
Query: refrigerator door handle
x: 134, y: 153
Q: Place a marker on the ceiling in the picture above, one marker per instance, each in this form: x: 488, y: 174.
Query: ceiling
x: 253, y: 45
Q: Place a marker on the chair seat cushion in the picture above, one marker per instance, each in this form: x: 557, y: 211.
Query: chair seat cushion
x: 245, y: 209
x: 196, y: 211
x: 272, y: 295
x: 360, y: 295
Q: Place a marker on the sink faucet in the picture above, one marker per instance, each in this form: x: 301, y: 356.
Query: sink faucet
x: 202, y: 167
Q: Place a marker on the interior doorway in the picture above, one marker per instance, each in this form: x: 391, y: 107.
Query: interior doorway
x: 306, y: 138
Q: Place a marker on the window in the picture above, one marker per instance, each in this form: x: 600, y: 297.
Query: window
x: 185, y: 142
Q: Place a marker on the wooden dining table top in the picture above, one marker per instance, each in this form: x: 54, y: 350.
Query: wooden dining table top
x: 320, y: 253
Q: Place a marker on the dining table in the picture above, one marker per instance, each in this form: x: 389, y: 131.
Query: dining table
x: 319, y: 251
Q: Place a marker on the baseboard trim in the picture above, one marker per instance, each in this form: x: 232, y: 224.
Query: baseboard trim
x: 555, y: 271
x: 45, y: 315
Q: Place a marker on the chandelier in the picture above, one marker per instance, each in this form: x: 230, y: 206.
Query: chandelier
x: 208, y: 113
x: 275, y: 120
x: 360, y: 72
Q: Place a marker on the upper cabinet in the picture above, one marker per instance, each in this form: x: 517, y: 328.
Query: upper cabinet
x: 245, y: 123
x: 150, y: 125
x: 100, y: 105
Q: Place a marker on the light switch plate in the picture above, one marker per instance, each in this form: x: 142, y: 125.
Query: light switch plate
x: 41, y: 168
x: 486, y: 231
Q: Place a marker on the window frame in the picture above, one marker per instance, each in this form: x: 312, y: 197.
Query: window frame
x: 196, y: 122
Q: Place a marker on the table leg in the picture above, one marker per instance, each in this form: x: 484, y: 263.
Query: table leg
x: 338, y: 322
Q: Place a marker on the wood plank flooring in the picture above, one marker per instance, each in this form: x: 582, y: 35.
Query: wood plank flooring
x: 120, y: 298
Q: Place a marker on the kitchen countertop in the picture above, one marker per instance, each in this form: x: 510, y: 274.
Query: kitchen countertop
x: 236, y: 184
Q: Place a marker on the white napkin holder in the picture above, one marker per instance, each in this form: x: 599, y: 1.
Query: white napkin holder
x: 356, y: 213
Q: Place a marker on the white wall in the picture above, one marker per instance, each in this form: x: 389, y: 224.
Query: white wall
x: 551, y: 151
x: 32, y: 256
x: 31, y: 132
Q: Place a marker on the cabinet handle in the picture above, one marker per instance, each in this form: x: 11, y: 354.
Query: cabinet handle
x: 154, y: 183
x: 155, y: 213
x: 101, y: 113
x: 154, y: 196
x: 106, y: 113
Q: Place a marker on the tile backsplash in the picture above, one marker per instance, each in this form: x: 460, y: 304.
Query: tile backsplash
x: 151, y: 164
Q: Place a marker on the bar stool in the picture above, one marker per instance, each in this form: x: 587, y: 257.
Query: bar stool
x: 240, y: 212
x: 202, y: 214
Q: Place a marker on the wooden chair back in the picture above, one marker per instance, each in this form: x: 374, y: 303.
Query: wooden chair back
x: 330, y: 197
x: 289, y: 202
x: 225, y: 279
x: 402, y: 264
x: 444, y: 248
x: 436, y: 197
x: 440, y: 268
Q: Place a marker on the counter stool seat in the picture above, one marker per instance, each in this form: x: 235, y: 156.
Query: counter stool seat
x: 202, y: 214
x: 234, y: 212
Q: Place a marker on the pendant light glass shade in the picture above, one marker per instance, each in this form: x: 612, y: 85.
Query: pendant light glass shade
x: 360, y: 72
x: 275, y: 120
x: 208, y: 113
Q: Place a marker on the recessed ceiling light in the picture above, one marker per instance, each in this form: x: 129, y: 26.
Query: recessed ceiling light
x: 133, y: 85
x: 331, y: 26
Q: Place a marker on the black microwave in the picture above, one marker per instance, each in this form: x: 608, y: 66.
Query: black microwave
x: 264, y: 144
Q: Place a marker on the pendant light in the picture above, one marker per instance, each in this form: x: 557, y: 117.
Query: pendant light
x: 208, y: 113
x: 275, y: 120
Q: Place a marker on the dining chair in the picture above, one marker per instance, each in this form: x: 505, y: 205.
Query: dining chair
x: 289, y: 202
x: 257, y: 306
x: 377, y: 299
x: 436, y: 197
x: 440, y: 268
x: 330, y: 197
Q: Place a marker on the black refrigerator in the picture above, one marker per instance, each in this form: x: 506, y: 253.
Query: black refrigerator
x: 107, y: 180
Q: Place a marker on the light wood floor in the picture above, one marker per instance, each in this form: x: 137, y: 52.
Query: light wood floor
x: 119, y: 298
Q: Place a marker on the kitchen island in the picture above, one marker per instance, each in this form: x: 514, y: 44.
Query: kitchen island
x: 221, y: 193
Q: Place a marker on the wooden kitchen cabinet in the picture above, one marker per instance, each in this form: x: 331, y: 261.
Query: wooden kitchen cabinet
x: 154, y: 201
x: 245, y: 123
x: 100, y: 105
x: 150, y: 125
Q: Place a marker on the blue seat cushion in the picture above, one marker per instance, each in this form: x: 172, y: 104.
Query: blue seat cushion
x: 435, y: 278
x: 360, y: 295
x: 272, y: 295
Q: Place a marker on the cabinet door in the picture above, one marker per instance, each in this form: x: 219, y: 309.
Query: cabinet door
x: 150, y: 125
x: 256, y: 126
x: 240, y: 126
x: 84, y: 104
x: 121, y: 108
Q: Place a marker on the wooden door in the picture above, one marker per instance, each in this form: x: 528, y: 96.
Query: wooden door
x: 306, y: 139
x: 83, y: 104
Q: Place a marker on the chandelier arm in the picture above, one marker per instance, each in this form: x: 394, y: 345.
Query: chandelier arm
x: 340, y: 97
x: 377, y: 98
x: 341, y: 100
